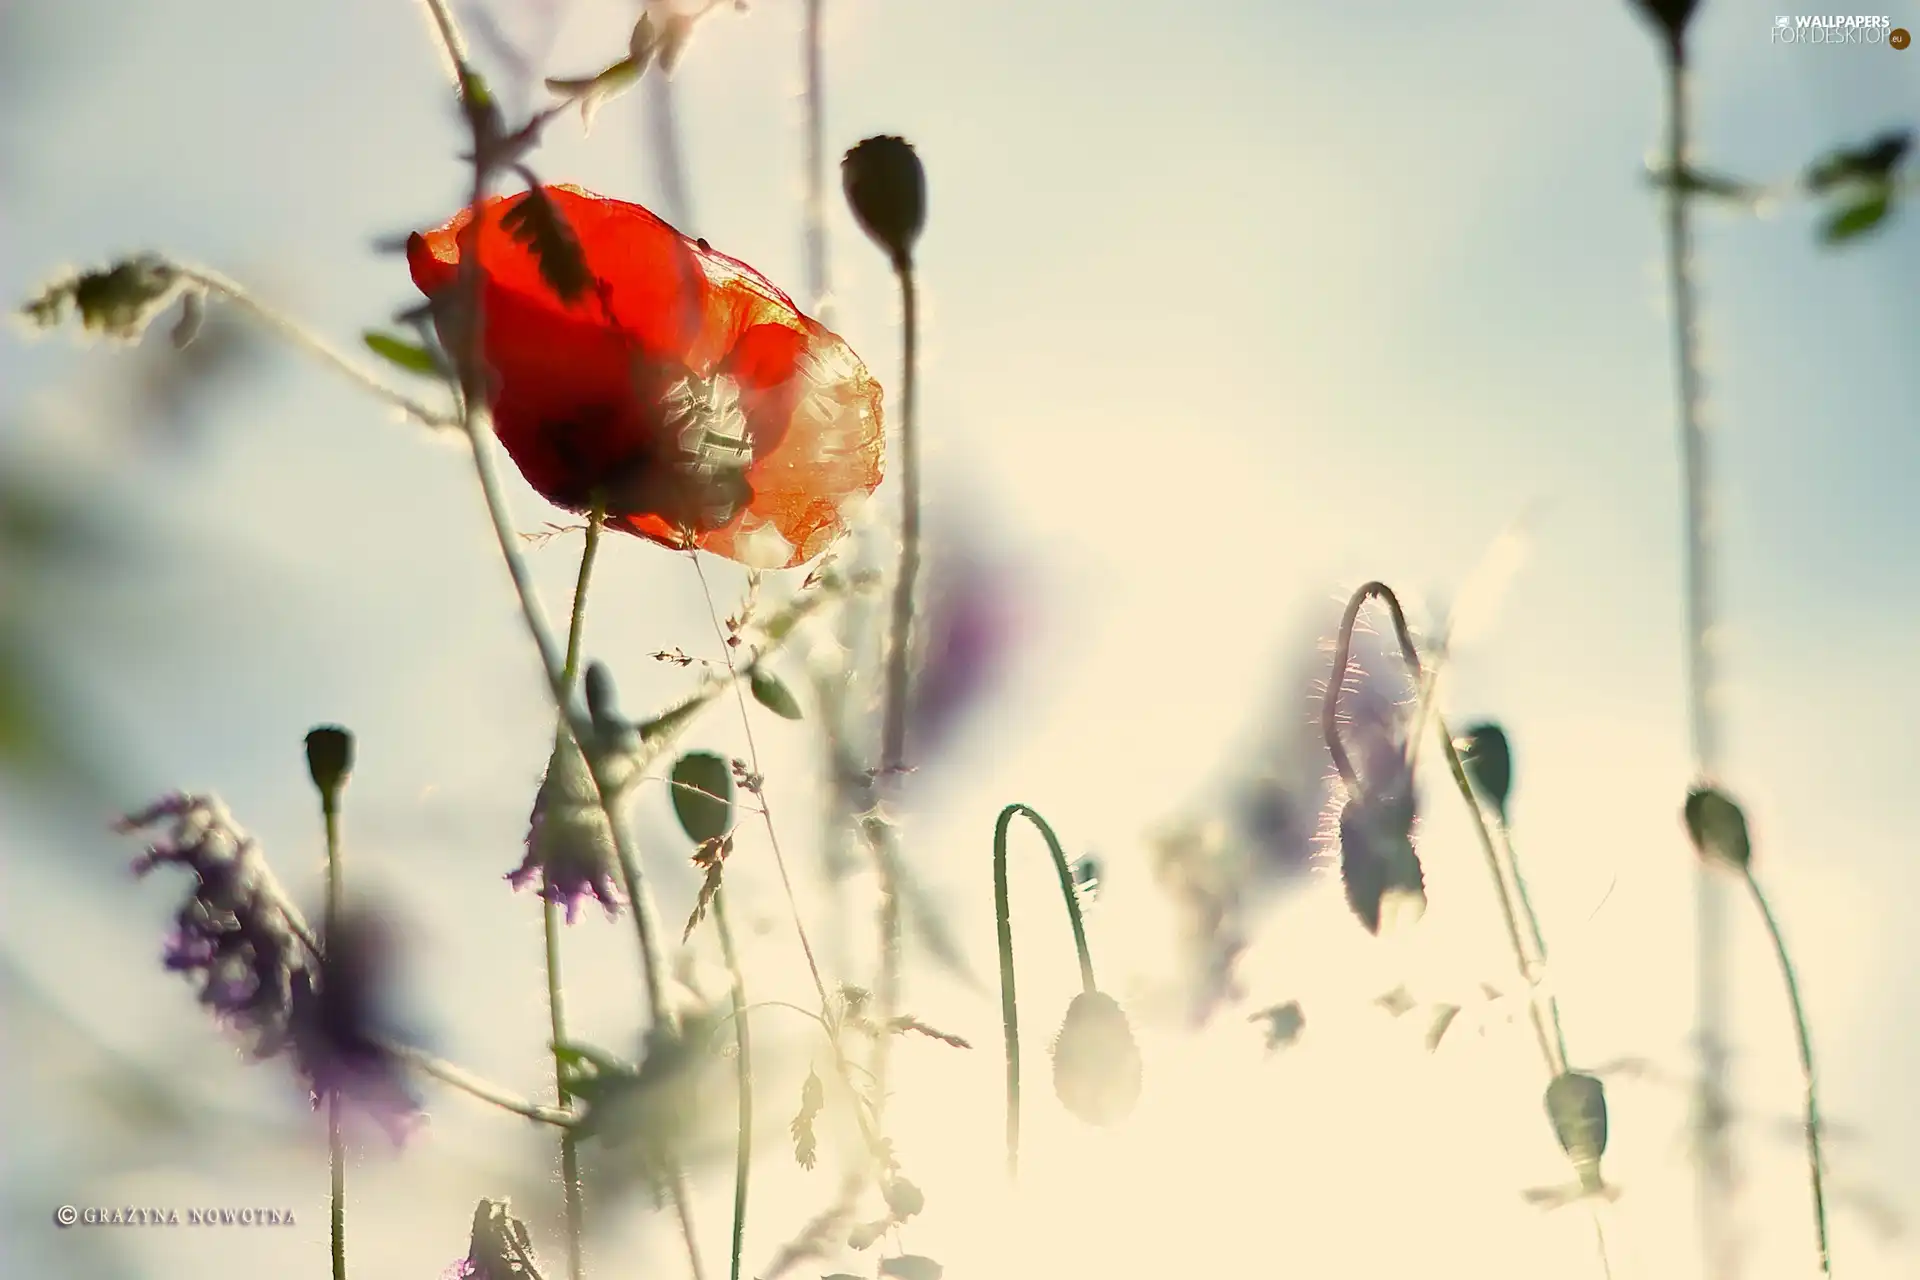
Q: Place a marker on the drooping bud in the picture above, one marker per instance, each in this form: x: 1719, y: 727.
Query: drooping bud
x: 329, y: 759
x: 1671, y: 16
x: 887, y: 189
x: 1096, y: 1063
x: 1378, y: 867
x: 1718, y: 828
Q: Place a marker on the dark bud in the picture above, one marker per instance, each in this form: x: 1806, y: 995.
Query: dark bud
x: 1381, y: 873
x: 887, y: 189
x: 1671, y: 16
x: 1577, y: 1106
x: 1718, y: 828
x: 1488, y: 761
x: 500, y: 1248
x: 1096, y: 1064
x: 329, y: 759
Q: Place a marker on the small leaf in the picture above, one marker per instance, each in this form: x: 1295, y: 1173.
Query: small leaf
x: 904, y: 1024
x: 1858, y: 218
x: 1873, y: 162
x: 864, y: 1234
x: 703, y: 795
x: 400, y: 353
x: 193, y: 313
x: 536, y: 223
x: 711, y: 858
x: 911, y: 1266
x: 771, y: 693
x: 1702, y: 182
x: 1443, y: 1017
x: 593, y: 92
x: 904, y: 1199
x: 806, y: 1147
x: 1718, y: 828
x: 1284, y: 1023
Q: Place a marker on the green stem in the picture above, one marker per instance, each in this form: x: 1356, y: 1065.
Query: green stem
x: 743, y: 1147
x: 1804, y: 1042
x: 550, y: 921
x: 1533, y: 927
x: 336, y: 1144
x: 1003, y: 919
x: 893, y: 741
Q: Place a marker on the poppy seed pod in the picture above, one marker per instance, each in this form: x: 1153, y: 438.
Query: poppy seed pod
x: 1718, y: 828
x: 1577, y: 1106
x: 1096, y: 1064
x: 1378, y: 868
x: 329, y: 758
x: 887, y: 190
x: 1488, y: 759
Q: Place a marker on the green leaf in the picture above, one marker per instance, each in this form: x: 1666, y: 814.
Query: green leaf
x: 703, y: 795
x: 770, y: 693
x: 1703, y: 182
x: 1873, y: 162
x: 911, y: 1266
x: 1718, y: 828
x: 813, y: 1097
x: 400, y: 353
x: 1856, y: 219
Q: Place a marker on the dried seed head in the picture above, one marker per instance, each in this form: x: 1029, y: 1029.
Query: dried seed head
x: 1381, y: 873
x: 1577, y: 1106
x: 887, y: 189
x: 1718, y: 828
x: 329, y: 759
x: 1096, y: 1064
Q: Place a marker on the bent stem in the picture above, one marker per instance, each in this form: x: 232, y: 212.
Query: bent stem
x: 1003, y: 921
x: 550, y: 921
x: 1804, y: 1042
x: 893, y: 741
x: 469, y: 1083
x: 336, y: 1146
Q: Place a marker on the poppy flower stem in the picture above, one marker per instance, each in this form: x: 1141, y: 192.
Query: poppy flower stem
x: 336, y: 1147
x: 1330, y: 726
x: 818, y: 283
x: 550, y: 922
x: 893, y: 741
x: 1003, y: 920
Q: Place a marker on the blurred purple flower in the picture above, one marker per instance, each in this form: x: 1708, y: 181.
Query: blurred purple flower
x: 569, y: 844
x: 972, y: 622
x: 262, y: 971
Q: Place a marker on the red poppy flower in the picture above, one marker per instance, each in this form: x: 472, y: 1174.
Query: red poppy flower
x: 675, y: 382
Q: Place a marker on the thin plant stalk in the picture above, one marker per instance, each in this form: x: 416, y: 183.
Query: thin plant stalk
x: 1003, y: 920
x: 1715, y: 1190
x: 1534, y: 933
x: 893, y: 740
x: 550, y: 920
x: 743, y: 1075
x: 819, y: 285
x: 471, y: 364
x: 336, y: 1145
x: 1804, y: 1043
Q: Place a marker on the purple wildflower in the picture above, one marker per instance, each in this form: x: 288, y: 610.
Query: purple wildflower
x: 569, y: 844
x: 262, y: 971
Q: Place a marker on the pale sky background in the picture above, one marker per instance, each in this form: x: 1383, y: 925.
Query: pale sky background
x: 1228, y: 308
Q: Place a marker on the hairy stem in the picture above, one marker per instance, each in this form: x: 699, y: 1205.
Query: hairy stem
x: 336, y: 1146
x: 1003, y: 920
x: 743, y: 1074
x: 1715, y: 1190
x: 1804, y: 1043
x: 819, y: 287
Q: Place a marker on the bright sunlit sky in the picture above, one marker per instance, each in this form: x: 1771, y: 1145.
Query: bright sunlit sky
x: 1228, y: 308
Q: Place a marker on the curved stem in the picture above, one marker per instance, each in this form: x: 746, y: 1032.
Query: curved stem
x: 308, y: 341
x: 467, y: 1082
x: 893, y: 740
x: 1804, y: 1042
x: 336, y: 1146
x: 1003, y: 920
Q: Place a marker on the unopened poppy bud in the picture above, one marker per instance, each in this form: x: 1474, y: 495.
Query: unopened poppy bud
x: 329, y: 758
x: 887, y: 189
x: 1096, y: 1064
x: 1488, y: 760
x: 1577, y: 1106
x: 1378, y: 868
x: 1671, y: 16
x: 1718, y: 828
